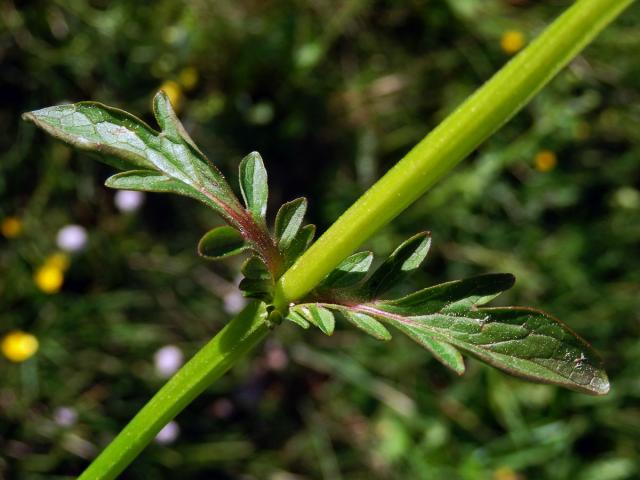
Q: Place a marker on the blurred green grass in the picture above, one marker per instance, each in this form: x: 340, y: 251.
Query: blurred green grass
x: 331, y: 94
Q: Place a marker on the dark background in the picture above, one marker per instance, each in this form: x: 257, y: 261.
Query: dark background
x: 332, y: 94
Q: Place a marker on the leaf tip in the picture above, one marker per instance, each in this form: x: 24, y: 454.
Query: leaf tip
x: 600, y: 385
x: 27, y: 116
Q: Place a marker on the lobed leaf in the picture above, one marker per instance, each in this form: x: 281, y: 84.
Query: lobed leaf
x: 253, y: 185
x: 288, y: 222
x: 106, y: 130
x: 402, y: 262
x: 221, y: 242
x: 522, y: 341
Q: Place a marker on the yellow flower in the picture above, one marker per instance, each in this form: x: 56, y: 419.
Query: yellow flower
x: 545, y: 161
x: 512, y: 41
x: 11, y: 227
x: 505, y: 473
x: 19, y: 346
x: 174, y: 92
x: 188, y: 78
x: 49, y: 278
x: 58, y: 260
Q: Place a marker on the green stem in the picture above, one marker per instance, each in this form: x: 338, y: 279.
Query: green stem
x: 212, y: 361
x: 457, y: 136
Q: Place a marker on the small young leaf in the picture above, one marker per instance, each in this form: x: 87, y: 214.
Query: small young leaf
x: 367, y: 324
x: 456, y: 296
x: 288, y: 222
x: 258, y: 282
x: 221, y: 242
x: 318, y: 316
x: 351, y: 271
x: 297, y: 319
x: 253, y: 185
x: 255, y: 269
x: 299, y: 244
x: 403, y: 261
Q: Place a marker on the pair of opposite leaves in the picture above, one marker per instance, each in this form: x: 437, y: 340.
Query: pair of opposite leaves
x: 445, y: 319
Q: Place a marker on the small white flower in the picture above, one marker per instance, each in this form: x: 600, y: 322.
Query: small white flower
x: 72, y: 238
x: 65, y: 416
x: 234, y: 302
x: 128, y: 200
x: 168, y: 360
x: 168, y: 434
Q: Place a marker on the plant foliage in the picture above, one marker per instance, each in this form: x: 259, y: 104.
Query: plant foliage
x: 445, y: 319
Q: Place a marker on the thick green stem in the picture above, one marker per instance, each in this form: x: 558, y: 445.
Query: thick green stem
x: 477, y: 118
x: 211, y: 362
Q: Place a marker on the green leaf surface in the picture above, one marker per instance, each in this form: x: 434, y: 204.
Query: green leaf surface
x: 445, y: 353
x: 221, y: 242
x: 258, y: 282
x: 319, y: 316
x: 300, y: 243
x: 452, y: 297
x: 106, y: 130
x: 402, y: 262
x: 253, y: 185
x: 149, y: 181
x: 367, y: 324
x: 255, y: 269
x: 170, y: 124
x: 522, y: 341
x: 350, y: 271
x: 288, y: 222
x: 297, y: 319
